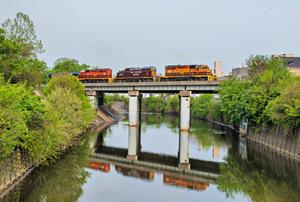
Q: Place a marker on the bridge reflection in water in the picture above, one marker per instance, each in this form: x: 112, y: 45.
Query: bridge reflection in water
x: 180, y: 171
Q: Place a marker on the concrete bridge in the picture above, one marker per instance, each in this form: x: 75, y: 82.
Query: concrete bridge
x: 95, y: 92
x: 155, y: 87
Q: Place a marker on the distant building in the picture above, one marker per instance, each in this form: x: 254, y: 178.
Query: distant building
x: 218, y: 69
x: 240, y: 72
x: 292, y: 62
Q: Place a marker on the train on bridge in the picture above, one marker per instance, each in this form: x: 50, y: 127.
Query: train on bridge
x: 147, y: 74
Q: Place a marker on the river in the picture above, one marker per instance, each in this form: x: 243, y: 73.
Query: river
x: 239, y: 171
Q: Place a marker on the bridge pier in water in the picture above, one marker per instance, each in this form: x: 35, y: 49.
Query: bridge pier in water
x: 134, y: 123
x: 134, y: 108
x: 96, y: 98
x: 185, y: 110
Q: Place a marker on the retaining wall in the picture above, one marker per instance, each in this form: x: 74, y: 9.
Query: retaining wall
x: 277, y: 139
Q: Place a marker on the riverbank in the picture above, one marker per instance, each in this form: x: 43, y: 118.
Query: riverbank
x: 18, y: 165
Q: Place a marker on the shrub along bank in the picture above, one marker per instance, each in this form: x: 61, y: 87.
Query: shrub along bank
x: 269, y: 97
x: 42, y: 126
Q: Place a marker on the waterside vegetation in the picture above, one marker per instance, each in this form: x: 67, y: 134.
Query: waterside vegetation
x: 40, y: 122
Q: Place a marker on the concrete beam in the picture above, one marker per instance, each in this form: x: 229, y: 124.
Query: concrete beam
x: 185, y: 93
x: 133, y: 93
x: 90, y: 93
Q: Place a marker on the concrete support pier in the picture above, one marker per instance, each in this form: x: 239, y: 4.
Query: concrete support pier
x: 134, y: 143
x: 183, y: 154
x: 96, y: 98
x: 185, y: 110
x: 134, y: 108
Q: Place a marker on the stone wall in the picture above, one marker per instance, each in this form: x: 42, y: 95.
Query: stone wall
x: 277, y: 139
x: 12, y: 169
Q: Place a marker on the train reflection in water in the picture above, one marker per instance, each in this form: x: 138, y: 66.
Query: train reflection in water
x: 149, y: 176
x: 200, y: 186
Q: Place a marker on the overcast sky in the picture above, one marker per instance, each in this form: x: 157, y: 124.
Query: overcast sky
x: 119, y: 33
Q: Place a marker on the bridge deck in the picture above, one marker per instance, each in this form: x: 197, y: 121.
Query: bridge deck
x: 170, y: 86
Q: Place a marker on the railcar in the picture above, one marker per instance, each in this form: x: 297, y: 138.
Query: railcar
x: 136, y: 74
x: 187, y: 73
x: 96, y: 76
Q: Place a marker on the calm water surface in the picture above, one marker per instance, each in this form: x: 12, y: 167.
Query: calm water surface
x: 248, y: 172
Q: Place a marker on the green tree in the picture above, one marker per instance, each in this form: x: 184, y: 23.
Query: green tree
x: 68, y: 65
x: 153, y: 104
x: 71, y: 84
x: 21, y: 30
x: 235, y: 98
x: 257, y: 64
x: 110, y: 99
x: 201, y: 105
x: 172, y: 104
x: 18, y: 50
x: 284, y: 110
x: 21, y: 117
x: 266, y: 86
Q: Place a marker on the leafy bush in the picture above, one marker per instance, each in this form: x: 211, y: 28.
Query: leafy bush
x: 269, y: 96
x: 284, y: 110
x: 21, y: 116
x: 153, y: 104
x: 172, y: 104
x: 42, y: 127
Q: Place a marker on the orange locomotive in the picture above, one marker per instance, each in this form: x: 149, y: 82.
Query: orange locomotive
x: 188, y: 73
x: 96, y: 76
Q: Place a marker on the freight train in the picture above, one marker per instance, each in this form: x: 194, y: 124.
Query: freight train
x: 148, y: 74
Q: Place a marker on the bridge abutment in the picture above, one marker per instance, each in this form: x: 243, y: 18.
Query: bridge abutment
x: 185, y: 110
x: 96, y: 98
x: 183, y: 153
